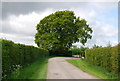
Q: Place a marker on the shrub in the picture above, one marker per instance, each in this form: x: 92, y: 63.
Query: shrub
x: 19, y: 55
x: 106, y: 58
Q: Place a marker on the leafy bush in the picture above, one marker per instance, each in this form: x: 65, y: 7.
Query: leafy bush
x: 106, y: 57
x: 15, y: 56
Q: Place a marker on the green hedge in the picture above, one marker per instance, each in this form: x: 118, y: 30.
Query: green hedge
x: 107, y: 58
x: 16, y: 56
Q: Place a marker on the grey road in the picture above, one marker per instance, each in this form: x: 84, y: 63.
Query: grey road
x: 58, y: 68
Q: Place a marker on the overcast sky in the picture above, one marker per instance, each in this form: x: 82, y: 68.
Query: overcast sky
x: 19, y: 19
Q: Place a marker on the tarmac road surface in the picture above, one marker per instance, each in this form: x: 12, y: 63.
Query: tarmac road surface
x: 58, y: 68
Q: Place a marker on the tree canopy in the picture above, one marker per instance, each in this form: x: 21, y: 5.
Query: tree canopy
x: 59, y: 30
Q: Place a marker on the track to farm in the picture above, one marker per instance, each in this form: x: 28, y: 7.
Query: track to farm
x: 58, y: 68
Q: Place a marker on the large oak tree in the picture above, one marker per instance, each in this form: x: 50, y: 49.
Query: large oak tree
x: 59, y: 30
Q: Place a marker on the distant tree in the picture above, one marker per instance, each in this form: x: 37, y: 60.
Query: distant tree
x: 109, y: 44
x: 79, y: 51
x: 57, y: 31
x: 96, y: 46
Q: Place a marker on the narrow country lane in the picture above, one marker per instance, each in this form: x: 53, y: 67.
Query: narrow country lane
x: 58, y: 68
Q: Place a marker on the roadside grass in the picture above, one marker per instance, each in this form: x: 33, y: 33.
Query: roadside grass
x: 36, y: 70
x: 91, y: 69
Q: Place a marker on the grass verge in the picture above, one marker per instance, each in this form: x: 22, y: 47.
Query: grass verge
x: 36, y: 70
x: 91, y: 69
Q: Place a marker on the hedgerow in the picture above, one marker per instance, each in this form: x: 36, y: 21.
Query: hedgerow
x: 16, y: 56
x: 107, y: 58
